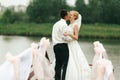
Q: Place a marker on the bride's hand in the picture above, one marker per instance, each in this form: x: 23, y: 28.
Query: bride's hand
x: 66, y: 34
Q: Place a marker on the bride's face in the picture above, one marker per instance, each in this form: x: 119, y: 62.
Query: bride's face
x: 72, y: 17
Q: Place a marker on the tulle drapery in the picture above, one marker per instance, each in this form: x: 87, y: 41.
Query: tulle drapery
x: 19, y: 67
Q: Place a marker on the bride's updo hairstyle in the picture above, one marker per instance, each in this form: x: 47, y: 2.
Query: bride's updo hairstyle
x: 75, y: 13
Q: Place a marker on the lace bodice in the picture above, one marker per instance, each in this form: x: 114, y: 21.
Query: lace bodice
x: 70, y: 28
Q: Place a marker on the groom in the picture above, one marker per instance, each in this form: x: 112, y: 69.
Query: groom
x: 60, y: 45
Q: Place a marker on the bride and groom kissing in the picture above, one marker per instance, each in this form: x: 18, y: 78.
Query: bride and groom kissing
x: 70, y: 59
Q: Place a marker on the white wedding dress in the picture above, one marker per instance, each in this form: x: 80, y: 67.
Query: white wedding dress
x: 78, y: 67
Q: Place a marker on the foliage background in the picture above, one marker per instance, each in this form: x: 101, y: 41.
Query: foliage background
x: 47, y: 11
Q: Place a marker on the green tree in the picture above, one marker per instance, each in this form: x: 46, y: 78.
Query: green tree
x: 111, y: 11
x: 84, y: 10
x: 6, y: 17
x: 9, y: 16
x: 99, y: 11
x: 96, y: 11
x: 45, y: 11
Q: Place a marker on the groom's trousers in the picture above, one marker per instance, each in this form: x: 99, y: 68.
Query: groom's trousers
x: 61, y: 54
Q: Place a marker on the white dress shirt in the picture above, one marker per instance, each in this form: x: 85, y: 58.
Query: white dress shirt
x: 58, y: 30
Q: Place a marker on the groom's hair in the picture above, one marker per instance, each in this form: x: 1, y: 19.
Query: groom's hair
x: 63, y: 13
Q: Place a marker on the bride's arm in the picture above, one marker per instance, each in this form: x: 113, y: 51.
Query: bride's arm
x: 75, y: 34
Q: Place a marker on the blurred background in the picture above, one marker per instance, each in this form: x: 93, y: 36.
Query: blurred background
x: 39, y: 11
x: 25, y: 21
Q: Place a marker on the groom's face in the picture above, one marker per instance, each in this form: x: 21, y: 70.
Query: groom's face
x: 68, y: 16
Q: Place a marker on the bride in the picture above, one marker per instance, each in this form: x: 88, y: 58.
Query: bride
x: 78, y: 67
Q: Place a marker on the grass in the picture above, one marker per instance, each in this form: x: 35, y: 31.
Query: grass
x: 30, y: 29
x: 104, y: 31
x: 110, y: 31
